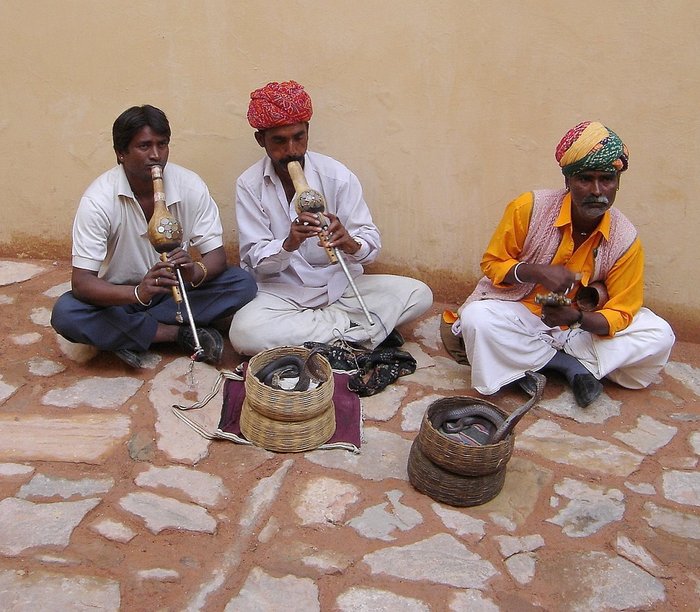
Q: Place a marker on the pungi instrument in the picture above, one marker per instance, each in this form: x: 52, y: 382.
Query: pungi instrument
x: 165, y: 234
x: 310, y: 200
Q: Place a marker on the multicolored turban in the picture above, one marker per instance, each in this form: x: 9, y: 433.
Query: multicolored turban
x: 279, y: 104
x: 591, y: 146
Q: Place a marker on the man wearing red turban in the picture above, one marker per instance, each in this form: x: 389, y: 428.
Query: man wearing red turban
x: 552, y: 247
x: 302, y: 296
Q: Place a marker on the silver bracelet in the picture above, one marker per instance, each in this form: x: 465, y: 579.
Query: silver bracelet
x: 138, y: 299
x: 515, y: 272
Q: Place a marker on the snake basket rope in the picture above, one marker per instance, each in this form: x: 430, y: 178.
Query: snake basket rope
x: 283, y: 420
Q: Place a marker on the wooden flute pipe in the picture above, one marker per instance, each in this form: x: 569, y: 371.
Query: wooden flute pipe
x: 164, y: 230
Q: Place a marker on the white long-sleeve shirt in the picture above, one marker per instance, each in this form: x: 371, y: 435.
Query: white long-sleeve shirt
x: 264, y: 216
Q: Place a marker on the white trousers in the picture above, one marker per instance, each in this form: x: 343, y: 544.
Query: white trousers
x: 269, y: 321
x: 504, y: 339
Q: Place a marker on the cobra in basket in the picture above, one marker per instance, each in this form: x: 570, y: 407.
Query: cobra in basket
x: 464, y: 443
x: 288, y: 420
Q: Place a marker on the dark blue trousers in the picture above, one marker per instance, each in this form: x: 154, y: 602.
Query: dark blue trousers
x: 133, y: 326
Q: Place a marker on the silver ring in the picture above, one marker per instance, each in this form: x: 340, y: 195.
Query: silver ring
x: 542, y: 317
x: 158, y: 280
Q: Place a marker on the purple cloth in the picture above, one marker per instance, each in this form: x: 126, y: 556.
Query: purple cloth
x: 348, y: 415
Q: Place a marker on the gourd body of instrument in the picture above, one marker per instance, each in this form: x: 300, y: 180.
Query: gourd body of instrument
x: 310, y: 200
x: 164, y: 230
x: 593, y: 297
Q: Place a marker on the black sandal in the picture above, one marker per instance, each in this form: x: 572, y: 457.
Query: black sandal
x: 340, y: 358
x: 379, y: 369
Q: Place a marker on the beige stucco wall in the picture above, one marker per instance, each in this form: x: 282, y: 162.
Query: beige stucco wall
x: 445, y: 110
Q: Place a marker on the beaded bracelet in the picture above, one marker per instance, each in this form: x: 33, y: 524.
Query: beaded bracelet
x: 138, y: 299
x: 204, y: 269
x: 515, y: 272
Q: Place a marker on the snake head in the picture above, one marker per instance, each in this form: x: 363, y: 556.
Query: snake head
x: 535, y: 384
x: 535, y: 380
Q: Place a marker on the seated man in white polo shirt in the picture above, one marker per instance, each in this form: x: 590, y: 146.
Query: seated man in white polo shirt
x: 121, y: 298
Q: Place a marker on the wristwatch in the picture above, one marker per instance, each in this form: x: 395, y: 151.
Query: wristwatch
x: 577, y: 323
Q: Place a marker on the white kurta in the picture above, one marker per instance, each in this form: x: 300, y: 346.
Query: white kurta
x: 269, y: 320
x: 504, y: 339
x: 263, y: 215
x: 301, y: 295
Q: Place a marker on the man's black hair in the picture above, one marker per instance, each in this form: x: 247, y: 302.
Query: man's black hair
x: 132, y: 120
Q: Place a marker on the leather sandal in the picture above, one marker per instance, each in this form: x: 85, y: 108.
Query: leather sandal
x: 587, y: 388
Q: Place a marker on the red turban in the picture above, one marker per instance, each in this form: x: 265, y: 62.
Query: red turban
x: 279, y: 104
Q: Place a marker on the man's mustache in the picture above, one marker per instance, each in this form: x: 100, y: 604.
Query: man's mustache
x: 596, y: 200
x: 285, y: 162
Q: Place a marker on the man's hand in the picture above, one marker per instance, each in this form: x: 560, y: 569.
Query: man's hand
x: 555, y: 278
x: 309, y: 224
x: 159, y: 279
x: 556, y: 316
x: 303, y: 227
x: 178, y: 257
x: 89, y: 288
x: 560, y: 316
x: 339, y: 238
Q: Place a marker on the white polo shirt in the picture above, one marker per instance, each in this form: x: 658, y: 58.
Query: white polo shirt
x: 110, y: 231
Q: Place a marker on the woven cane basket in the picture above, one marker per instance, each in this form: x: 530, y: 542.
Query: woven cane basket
x: 449, y: 488
x: 291, y: 406
x: 454, y: 456
x: 287, y: 436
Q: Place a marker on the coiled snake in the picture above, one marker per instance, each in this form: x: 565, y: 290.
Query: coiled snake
x: 459, y: 418
x: 288, y: 366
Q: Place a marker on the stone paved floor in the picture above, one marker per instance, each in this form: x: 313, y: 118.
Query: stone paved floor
x: 109, y: 502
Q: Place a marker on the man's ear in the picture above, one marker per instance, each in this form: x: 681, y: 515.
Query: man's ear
x: 566, y: 182
x: 260, y: 138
